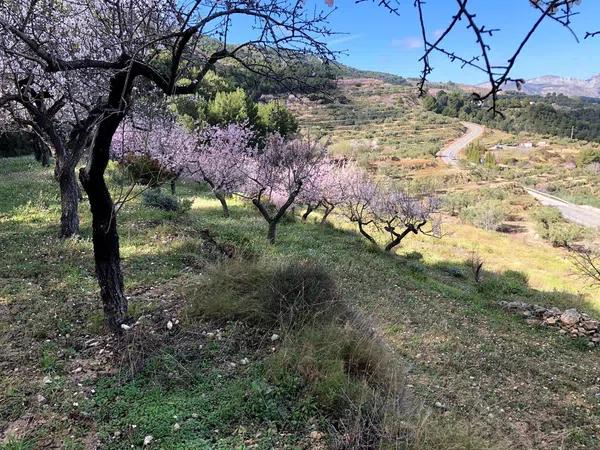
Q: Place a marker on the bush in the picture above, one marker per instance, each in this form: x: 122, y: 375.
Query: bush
x: 261, y: 293
x: 551, y: 226
x: 588, y: 156
x: 144, y: 170
x: 488, y: 215
x: 15, y: 144
x: 510, y: 282
x: 155, y: 198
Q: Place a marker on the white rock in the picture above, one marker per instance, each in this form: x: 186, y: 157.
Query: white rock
x: 274, y: 337
x: 244, y: 361
x: 47, y: 380
x: 176, y: 427
x: 570, y: 317
x: 169, y: 325
x: 148, y: 440
x: 125, y: 327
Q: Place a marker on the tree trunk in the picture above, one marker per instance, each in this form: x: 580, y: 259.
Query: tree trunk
x: 364, y: 233
x: 272, y: 232
x: 309, y: 209
x: 326, y: 214
x: 104, y: 222
x: 69, y: 202
x: 221, y: 197
x: 106, y: 250
x: 173, y: 186
x: 398, y: 237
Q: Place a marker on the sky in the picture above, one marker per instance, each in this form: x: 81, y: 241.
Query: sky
x: 373, y: 39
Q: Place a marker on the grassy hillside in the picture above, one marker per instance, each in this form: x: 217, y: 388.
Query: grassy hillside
x: 378, y: 123
x: 474, y: 376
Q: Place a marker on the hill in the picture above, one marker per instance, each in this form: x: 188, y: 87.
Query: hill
x: 475, y: 376
x: 551, y: 84
x: 381, y: 125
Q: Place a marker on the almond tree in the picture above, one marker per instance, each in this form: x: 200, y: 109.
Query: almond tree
x: 109, y: 48
x: 399, y: 214
x: 371, y: 205
x: 51, y: 119
x: 278, y: 174
x: 218, y: 159
x: 328, y: 188
x: 157, y: 145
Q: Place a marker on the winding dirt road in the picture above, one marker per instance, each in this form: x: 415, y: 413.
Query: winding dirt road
x: 449, y: 155
x: 582, y: 214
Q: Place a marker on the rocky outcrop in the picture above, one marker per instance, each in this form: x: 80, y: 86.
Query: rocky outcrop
x: 570, y: 321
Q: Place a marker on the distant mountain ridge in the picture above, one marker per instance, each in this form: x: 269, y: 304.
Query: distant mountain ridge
x: 572, y: 87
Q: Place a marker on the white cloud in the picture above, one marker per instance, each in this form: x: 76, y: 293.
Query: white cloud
x: 409, y: 43
x: 345, y: 38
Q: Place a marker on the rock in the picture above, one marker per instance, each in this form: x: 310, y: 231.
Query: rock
x: 176, y: 427
x: 316, y: 435
x: 169, y: 325
x: 125, y: 327
x: 552, y: 312
x: 552, y: 320
x: 244, y: 361
x: 41, y: 399
x: 148, y: 440
x: 570, y: 317
x: 590, y: 324
x: 274, y: 337
x: 47, y: 380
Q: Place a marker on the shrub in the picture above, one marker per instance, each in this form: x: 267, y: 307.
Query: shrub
x: 588, y: 156
x: 155, y: 198
x: 488, y: 215
x: 551, y: 226
x: 510, y: 282
x: 144, y: 170
x: 259, y: 292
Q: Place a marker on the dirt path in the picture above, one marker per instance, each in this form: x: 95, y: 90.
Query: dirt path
x: 449, y: 155
x: 582, y: 214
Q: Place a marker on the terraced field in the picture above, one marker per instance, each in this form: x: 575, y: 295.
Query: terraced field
x: 378, y: 124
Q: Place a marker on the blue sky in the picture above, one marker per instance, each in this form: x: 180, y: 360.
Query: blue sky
x: 376, y: 40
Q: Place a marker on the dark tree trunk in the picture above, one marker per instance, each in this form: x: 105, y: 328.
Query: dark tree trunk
x: 45, y: 157
x: 309, y: 209
x: 221, y: 197
x: 271, y: 234
x: 69, y: 202
x: 274, y: 220
x: 106, y: 250
x: 328, y: 211
x: 173, y: 186
x: 398, y: 238
x: 362, y: 230
x: 104, y: 222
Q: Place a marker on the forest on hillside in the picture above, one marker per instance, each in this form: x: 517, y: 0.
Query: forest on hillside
x: 554, y: 114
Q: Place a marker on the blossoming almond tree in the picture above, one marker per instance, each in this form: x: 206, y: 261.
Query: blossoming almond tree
x: 278, y: 174
x: 329, y: 188
x: 219, y: 157
x: 157, y: 146
x: 108, y: 48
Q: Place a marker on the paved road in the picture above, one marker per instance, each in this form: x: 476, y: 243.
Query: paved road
x: 582, y: 214
x: 449, y: 154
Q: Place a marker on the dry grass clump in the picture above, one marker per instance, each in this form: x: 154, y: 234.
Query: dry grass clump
x: 327, y: 349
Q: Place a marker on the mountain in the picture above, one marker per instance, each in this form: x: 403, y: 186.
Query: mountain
x: 572, y: 87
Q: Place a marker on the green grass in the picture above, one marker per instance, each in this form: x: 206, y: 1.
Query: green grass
x: 492, y: 374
